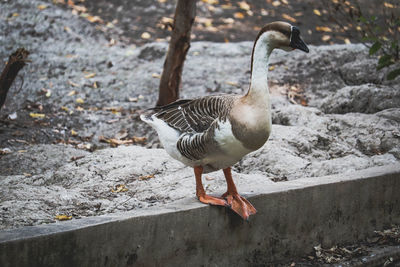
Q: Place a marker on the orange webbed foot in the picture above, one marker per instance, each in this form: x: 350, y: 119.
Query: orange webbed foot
x: 206, y: 199
x: 240, y: 205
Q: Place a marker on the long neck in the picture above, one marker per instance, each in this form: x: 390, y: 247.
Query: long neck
x: 259, y: 69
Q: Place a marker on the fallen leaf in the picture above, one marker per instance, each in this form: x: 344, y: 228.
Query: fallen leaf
x: 271, y: 68
x: 317, y: 12
x: 73, y: 84
x: 74, y: 133
x: 145, y: 35
x: 119, y: 188
x: 62, y: 217
x: 37, y: 115
x: 132, y: 99
x: 137, y: 139
x: 48, y: 93
x: 156, y: 75
x: 388, y: 5
x: 27, y: 174
x: 15, y: 14
x: 94, y: 19
x: 326, y: 38
x: 80, y: 100
x: 276, y: 3
x: 41, y: 7
x: 243, y: 5
x: 90, y: 75
x: 211, y: 2
x: 289, y: 18
x: 323, y: 29
x: 238, y: 15
x: 146, y: 177
x: 347, y: 41
x: 22, y: 151
x: 232, y: 83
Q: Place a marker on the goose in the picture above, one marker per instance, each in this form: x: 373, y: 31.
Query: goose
x: 214, y: 132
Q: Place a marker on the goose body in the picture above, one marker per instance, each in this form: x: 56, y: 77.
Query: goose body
x: 214, y: 132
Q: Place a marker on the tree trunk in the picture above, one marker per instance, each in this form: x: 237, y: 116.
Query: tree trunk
x: 185, y: 13
x: 15, y: 63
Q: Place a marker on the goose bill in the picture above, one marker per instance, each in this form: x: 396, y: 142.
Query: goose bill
x: 297, y: 42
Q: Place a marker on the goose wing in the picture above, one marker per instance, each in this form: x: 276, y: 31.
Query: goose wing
x: 196, y: 120
x: 195, y: 115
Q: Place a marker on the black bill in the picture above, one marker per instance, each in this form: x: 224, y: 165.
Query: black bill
x: 296, y: 42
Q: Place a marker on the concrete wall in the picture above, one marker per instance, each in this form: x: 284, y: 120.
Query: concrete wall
x: 292, y: 218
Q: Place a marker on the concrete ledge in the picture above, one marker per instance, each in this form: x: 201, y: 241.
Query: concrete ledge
x: 292, y: 217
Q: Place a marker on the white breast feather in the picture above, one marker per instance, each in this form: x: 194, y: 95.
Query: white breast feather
x: 231, y: 146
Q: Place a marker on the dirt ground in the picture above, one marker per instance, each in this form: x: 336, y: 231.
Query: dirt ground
x: 126, y: 24
x: 95, y: 66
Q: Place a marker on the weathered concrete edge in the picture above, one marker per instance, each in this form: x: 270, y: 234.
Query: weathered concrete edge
x: 292, y: 216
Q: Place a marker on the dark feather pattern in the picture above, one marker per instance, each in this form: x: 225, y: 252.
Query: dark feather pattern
x: 197, y: 120
x: 197, y: 115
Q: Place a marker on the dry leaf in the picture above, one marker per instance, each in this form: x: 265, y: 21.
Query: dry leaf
x: 323, y: 29
x: 137, y: 139
x: 74, y: 85
x: 243, y: 5
x: 94, y: 19
x: 90, y: 75
x: 37, y: 115
x: 285, y: 2
x: 347, y: 41
x: 22, y: 151
x: 276, y: 3
x: 145, y: 35
x: 238, y: 15
x: 211, y: 2
x: 289, y: 18
x: 326, y: 38
x: 15, y: 14
x: 80, y: 100
x: 41, y: 7
x: 74, y: 133
x: 271, y: 68
x: 119, y: 188
x: 156, y: 75
x: 146, y: 177
x: 232, y: 83
x: 62, y: 217
x: 388, y: 5
x: 316, y: 12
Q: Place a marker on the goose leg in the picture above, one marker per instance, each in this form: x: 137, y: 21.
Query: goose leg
x: 201, y: 194
x: 237, y: 203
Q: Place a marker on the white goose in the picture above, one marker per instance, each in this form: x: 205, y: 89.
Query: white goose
x: 214, y: 132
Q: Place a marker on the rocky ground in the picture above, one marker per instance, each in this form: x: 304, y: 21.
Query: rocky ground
x: 69, y: 132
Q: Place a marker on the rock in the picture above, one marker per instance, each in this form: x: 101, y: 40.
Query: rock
x: 366, y: 98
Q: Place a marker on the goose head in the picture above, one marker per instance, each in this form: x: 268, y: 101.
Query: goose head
x: 282, y: 35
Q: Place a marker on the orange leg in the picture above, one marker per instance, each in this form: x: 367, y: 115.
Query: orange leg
x: 201, y: 194
x: 237, y: 203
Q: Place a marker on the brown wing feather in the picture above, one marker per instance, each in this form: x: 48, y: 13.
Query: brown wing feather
x: 197, y: 115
